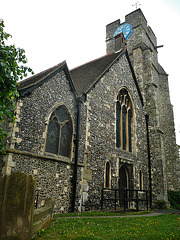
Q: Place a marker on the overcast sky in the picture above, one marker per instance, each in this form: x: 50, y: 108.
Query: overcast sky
x: 74, y: 30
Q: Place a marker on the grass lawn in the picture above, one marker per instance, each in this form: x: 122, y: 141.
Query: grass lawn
x: 157, y: 227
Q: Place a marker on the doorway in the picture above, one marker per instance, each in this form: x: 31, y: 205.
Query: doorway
x: 123, y: 183
x: 122, y: 178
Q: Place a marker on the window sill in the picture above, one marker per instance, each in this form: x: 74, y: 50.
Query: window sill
x: 59, y: 157
x: 124, y: 151
x: 45, y: 157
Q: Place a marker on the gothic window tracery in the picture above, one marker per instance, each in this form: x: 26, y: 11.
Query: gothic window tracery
x: 59, y: 133
x: 124, y: 121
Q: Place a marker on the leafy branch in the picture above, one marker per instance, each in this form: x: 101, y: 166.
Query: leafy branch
x: 12, y: 69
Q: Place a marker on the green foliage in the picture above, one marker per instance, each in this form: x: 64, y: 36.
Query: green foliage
x: 12, y: 69
x: 174, y: 199
x: 161, y: 204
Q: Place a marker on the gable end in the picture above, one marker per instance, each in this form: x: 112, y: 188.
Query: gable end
x: 28, y: 85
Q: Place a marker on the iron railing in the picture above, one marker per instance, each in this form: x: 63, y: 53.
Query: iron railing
x: 123, y: 197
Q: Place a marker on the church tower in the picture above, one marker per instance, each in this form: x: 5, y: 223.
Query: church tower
x: 153, y: 83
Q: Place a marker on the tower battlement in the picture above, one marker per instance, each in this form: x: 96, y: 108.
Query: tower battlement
x: 142, y: 33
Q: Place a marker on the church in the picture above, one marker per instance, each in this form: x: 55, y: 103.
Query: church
x: 105, y: 124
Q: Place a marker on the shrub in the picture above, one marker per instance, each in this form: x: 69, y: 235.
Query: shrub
x: 174, y: 199
x: 161, y: 204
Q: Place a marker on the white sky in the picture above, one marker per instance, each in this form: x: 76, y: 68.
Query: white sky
x: 74, y: 30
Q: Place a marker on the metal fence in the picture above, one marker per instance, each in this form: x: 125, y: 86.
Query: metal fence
x: 124, y: 198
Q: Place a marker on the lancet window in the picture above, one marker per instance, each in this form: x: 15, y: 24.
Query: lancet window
x: 107, y: 175
x: 124, y: 121
x: 59, y: 133
x: 140, y: 180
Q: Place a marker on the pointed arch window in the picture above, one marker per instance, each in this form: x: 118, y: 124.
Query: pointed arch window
x: 140, y: 180
x: 107, y: 175
x: 124, y: 121
x: 59, y: 133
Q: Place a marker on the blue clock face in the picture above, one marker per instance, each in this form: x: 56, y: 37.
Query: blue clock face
x: 126, y: 29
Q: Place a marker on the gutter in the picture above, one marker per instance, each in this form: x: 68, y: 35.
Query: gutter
x: 74, y: 180
x: 134, y: 77
x: 149, y: 160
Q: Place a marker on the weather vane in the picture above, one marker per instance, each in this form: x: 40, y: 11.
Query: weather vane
x: 137, y: 4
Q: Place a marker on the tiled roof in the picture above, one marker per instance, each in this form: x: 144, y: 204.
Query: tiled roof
x: 86, y: 75
x: 35, y: 79
x: 81, y: 78
x: 28, y: 85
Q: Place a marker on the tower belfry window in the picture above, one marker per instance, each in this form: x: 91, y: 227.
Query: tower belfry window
x: 124, y: 121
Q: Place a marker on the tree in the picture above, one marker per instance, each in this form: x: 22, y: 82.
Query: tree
x: 12, y: 69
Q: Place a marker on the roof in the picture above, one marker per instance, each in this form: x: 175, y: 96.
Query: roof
x: 38, y: 77
x: 81, y: 79
x: 86, y: 75
x: 28, y: 85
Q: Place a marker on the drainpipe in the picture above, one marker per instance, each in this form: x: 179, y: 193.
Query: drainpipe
x: 76, y: 154
x: 149, y: 160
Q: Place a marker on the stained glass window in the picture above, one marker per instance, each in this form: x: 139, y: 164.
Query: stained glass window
x: 124, y: 111
x: 59, y: 134
x: 129, y: 129
x: 53, y: 136
x: 118, y: 136
x: 124, y: 121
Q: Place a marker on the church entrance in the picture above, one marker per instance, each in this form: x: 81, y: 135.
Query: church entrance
x: 122, y: 178
x: 123, y: 183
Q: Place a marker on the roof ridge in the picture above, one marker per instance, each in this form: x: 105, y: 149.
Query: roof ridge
x: 92, y: 61
x: 120, y: 53
x: 85, y: 76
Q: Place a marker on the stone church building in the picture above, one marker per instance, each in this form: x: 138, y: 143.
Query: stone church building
x: 105, y: 124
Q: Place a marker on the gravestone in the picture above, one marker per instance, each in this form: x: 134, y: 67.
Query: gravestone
x: 17, y: 193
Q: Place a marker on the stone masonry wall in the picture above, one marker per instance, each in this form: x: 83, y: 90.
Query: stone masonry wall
x: 36, y: 108
x: 100, y: 135
x: 53, y: 178
x: 172, y: 163
x: 153, y: 82
x: 26, y: 149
